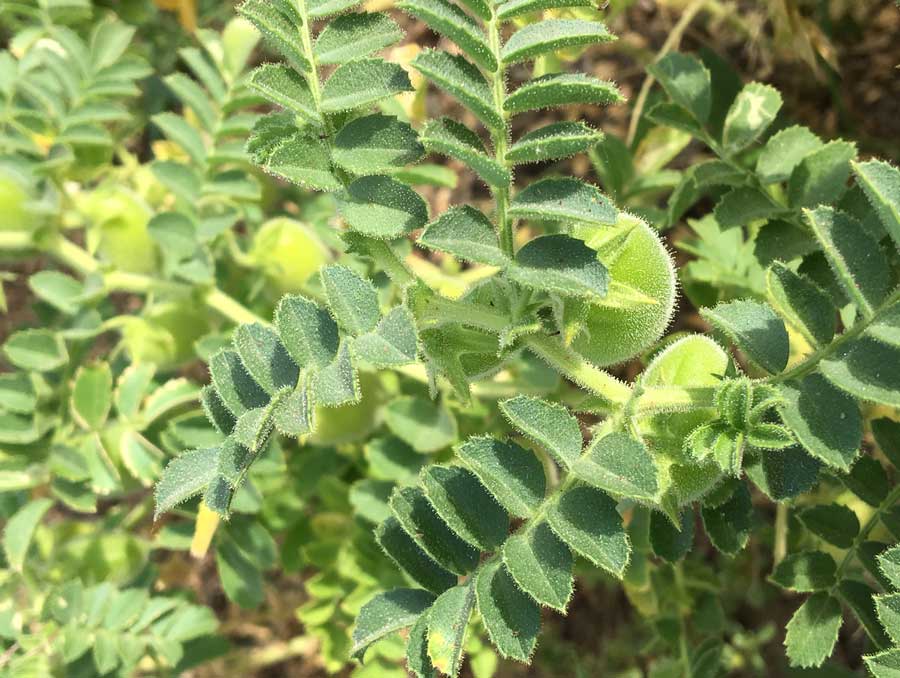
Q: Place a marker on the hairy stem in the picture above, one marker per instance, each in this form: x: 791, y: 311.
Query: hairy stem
x: 500, y: 137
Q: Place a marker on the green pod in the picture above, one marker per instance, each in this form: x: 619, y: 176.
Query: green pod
x: 289, y: 253
x: 636, y: 257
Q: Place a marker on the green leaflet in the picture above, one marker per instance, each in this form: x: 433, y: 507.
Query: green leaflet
x: 462, y: 80
x: 784, y: 151
x: 826, y: 421
x: 552, y: 142
x: 552, y: 35
x: 382, y: 207
x: 179, y: 131
x: 465, y: 233
x: 307, y: 330
x: 750, y: 115
x: 319, y: 9
x: 511, y: 618
x: 392, y: 343
x: 784, y: 474
x: 17, y: 394
x: 254, y: 427
x: 386, y: 613
x: 417, y: 659
x: 353, y: 36
x: 515, y: 8
x: 886, y: 328
x: 669, y: 542
x: 561, y: 89
x: 686, y: 81
x: 61, y: 291
x: 743, y: 205
x: 468, y: 509
x: 867, y: 369
x: 541, y: 565
x: 821, y: 177
x: 448, y: 620
x: 889, y: 564
x: 216, y: 411
x: 449, y: 20
x: 19, y: 531
x: 294, y: 413
x: 548, y: 424
x: 567, y: 200
x: 92, y: 395
x: 855, y: 257
x: 376, y: 143
x: 561, y: 264
x: 887, y: 436
x: 185, y: 476
x: 803, y: 303
x: 279, y: 30
x: 867, y: 480
x: 755, y: 329
x: 418, y: 518
x: 401, y: 548
x: 337, y: 383
x: 512, y: 474
x: 302, y: 160
x: 884, y: 664
x: 285, y: 87
x: 620, y: 465
x: 234, y: 385
x: 37, y: 350
x: 805, y: 572
x: 586, y: 519
x: 351, y: 298
x: 424, y: 425
x: 451, y: 138
x: 728, y: 524
x: 813, y: 630
x: 862, y: 600
x: 265, y: 357
x: 363, y: 82
x: 834, y: 523
x: 881, y: 184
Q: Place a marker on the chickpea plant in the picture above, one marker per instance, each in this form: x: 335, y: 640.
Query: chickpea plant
x: 581, y: 285
x: 423, y: 406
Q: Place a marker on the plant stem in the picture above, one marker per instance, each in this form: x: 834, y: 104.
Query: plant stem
x: 500, y: 137
x: 578, y: 369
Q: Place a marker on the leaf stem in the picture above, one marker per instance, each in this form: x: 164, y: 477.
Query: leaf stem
x: 500, y: 137
x: 579, y: 370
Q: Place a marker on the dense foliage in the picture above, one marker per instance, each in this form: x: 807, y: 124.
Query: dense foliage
x: 420, y: 409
